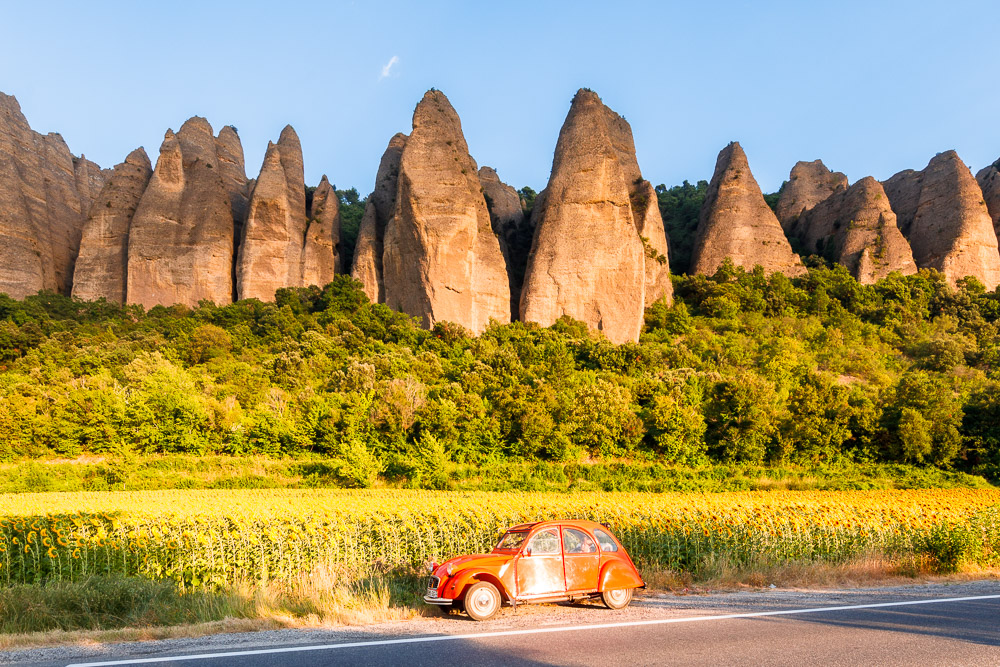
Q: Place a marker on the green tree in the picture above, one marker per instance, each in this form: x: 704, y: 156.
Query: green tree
x: 742, y: 419
x: 818, y: 419
x: 923, y: 406
x: 352, y: 209
x: 208, y: 341
x: 680, y: 207
x: 914, y: 432
x: 676, y: 427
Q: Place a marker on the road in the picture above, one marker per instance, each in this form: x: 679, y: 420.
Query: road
x: 929, y: 625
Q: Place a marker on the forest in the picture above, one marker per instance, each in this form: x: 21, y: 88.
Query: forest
x: 743, y: 369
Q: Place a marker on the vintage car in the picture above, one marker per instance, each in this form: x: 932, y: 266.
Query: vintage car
x: 548, y: 561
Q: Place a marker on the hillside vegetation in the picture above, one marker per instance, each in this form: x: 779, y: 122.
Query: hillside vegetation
x: 743, y: 369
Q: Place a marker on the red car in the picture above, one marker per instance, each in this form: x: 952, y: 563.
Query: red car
x: 548, y: 561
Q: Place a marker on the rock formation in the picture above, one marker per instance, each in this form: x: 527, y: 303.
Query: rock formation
x: 270, y: 253
x: 321, y: 251
x: 857, y: 228
x: 588, y: 257
x: 381, y: 205
x: 903, y: 191
x: 443, y: 240
x: 234, y: 175
x: 180, y: 247
x: 101, y: 267
x: 808, y: 184
x: 512, y: 227
x: 989, y: 182
x: 942, y: 213
x: 737, y: 223
x: 90, y: 178
x: 44, y: 195
x: 440, y: 259
x: 645, y: 212
x: 649, y: 225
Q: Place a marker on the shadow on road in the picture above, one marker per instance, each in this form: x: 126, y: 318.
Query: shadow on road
x: 973, y: 622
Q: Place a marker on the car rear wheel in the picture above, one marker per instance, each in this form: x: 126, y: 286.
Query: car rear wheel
x: 617, y: 598
x: 482, y: 601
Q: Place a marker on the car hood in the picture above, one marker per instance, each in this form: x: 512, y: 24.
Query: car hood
x: 475, y: 560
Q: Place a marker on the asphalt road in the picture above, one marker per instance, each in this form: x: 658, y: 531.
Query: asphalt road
x: 913, y: 627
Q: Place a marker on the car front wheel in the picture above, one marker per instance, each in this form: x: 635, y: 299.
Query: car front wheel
x: 617, y: 598
x: 482, y: 601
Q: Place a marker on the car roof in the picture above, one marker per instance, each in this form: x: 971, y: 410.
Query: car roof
x: 560, y: 522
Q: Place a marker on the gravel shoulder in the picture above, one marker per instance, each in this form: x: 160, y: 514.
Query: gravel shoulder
x: 646, y: 606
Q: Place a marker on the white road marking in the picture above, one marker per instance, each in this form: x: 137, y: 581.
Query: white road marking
x: 532, y: 631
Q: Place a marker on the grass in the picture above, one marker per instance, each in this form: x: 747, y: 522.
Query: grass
x: 99, y: 603
x: 869, y: 570
x: 33, y: 614
x: 180, y: 471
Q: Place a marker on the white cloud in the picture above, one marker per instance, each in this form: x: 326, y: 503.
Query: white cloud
x: 388, y: 66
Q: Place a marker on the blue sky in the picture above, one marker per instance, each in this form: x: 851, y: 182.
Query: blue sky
x: 869, y: 87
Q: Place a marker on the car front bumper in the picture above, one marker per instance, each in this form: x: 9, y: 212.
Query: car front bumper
x: 441, y: 602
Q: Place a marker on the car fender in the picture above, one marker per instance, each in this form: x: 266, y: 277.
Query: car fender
x: 616, y: 574
x: 466, y: 578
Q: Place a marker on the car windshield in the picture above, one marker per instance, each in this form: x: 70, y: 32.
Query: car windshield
x: 512, y: 539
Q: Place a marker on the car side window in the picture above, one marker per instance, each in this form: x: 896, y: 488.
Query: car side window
x: 577, y: 542
x: 545, y: 543
x: 605, y: 540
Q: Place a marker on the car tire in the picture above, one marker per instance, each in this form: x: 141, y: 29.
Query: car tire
x: 617, y: 598
x: 482, y: 601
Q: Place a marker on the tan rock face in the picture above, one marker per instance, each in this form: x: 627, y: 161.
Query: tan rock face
x: 645, y: 212
x: 649, y: 225
x: 381, y: 206
x: 321, y: 251
x: 65, y: 209
x: 857, y: 228
x: 22, y: 269
x: 90, y: 178
x: 270, y: 253
x: 44, y: 195
x: 101, y: 267
x: 180, y: 247
x: 808, y: 184
x: 989, y: 182
x: 903, y: 190
x: 502, y: 200
x: 737, y: 223
x: 441, y: 260
x: 512, y: 228
x: 588, y: 259
x: 234, y: 175
x: 949, y: 228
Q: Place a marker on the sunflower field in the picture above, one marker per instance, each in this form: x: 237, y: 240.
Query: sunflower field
x: 211, y: 539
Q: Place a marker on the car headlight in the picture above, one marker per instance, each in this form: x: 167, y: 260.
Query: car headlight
x: 451, y: 569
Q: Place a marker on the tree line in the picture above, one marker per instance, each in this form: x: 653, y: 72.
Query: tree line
x: 743, y: 367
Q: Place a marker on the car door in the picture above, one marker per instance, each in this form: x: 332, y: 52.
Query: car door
x: 581, y: 560
x: 540, y: 566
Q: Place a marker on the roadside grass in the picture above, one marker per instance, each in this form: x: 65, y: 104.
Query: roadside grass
x: 720, y: 574
x: 122, y: 609
x: 183, y: 471
x: 99, y: 603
